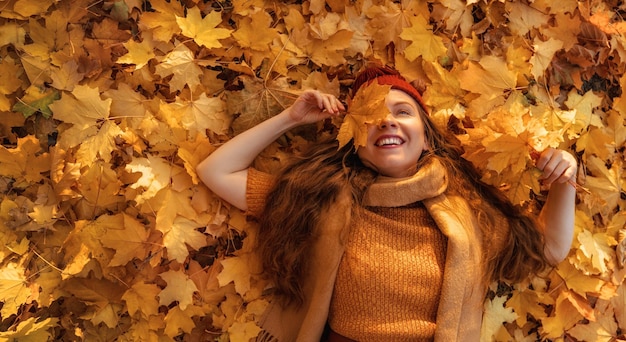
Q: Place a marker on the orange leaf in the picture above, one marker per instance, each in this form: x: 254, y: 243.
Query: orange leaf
x: 367, y: 107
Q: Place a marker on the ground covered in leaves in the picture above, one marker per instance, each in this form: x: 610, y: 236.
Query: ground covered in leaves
x: 106, y: 107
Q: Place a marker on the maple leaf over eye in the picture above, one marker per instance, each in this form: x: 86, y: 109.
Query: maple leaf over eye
x: 367, y: 107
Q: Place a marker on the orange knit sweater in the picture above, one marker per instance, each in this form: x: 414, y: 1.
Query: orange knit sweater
x: 389, y: 279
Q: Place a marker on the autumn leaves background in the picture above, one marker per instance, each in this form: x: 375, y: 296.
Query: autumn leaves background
x: 106, y: 107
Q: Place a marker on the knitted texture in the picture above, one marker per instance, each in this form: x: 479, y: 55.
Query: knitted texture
x: 388, y: 284
x: 259, y: 184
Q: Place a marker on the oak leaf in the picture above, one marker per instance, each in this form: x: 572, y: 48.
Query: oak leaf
x: 367, y: 107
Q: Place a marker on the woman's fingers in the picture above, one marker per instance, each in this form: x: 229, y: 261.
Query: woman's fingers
x: 556, y: 165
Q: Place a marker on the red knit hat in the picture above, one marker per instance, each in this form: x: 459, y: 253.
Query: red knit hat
x: 388, y: 76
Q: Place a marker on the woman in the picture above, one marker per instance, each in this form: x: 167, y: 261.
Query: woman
x: 397, y: 241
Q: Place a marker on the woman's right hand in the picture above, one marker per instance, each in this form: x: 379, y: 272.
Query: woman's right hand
x: 313, y: 106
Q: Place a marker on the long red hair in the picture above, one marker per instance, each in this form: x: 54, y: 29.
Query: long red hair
x: 313, y: 180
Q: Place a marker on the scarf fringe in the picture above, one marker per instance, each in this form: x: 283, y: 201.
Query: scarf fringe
x: 265, y: 336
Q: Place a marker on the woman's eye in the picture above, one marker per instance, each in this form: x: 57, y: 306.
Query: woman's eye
x: 404, y: 112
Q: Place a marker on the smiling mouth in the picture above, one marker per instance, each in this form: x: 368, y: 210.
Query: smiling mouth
x: 389, y: 141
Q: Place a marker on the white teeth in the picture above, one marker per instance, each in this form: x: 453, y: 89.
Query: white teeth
x: 389, y: 141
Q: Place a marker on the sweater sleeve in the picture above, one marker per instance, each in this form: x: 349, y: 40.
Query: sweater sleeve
x: 258, y: 186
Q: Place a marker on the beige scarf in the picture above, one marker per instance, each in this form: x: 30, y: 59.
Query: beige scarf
x: 460, y: 310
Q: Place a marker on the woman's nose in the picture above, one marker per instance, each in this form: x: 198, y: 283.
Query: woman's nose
x: 388, y: 121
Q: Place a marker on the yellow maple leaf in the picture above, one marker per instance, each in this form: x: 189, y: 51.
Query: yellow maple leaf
x: 176, y: 321
x: 495, y: 314
x: 25, y: 162
x: 490, y: 77
x: 97, y: 143
x: 243, y: 331
x: 127, y: 240
x: 445, y: 90
x: 387, y: 21
x: 584, y: 106
x: 181, y: 234
x: 12, y: 33
x: 458, y: 14
x: 67, y: 76
x: 142, y: 297
x: 180, y: 63
x: 566, y: 29
x: 544, y: 53
x: 605, y: 186
x: 602, y: 329
x: 598, y: 248
x: 101, y: 295
x: 205, y: 113
x: 180, y: 288
x: 83, y: 107
x: 577, y: 281
x: 139, y: 53
x: 510, y: 152
x: 565, y: 317
x: 99, y: 186
x: 162, y: 22
x: 31, y: 330
x: 367, y: 107
x: 236, y: 270
x: 527, y: 301
x: 256, y: 31
x: 9, y: 72
x: 424, y: 42
x: 155, y: 175
x: 14, y: 290
x: 203, y: 31
x: 523, y: 18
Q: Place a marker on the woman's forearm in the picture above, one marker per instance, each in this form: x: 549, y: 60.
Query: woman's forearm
x: 225, y: 171
x: 557, y: 219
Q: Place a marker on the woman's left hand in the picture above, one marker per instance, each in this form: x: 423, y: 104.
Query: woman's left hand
x: 557, y: 166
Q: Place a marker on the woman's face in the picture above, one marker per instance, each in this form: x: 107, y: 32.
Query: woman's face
x: 396, y: 144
